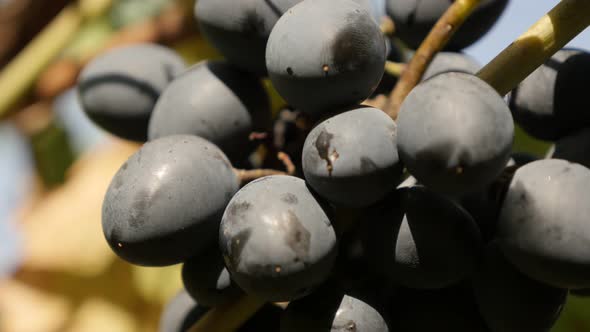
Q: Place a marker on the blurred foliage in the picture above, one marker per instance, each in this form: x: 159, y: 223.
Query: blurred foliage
x: 53, y: 154
x: 90, y: 38
x: 525, y: 143
x: 127, y: 12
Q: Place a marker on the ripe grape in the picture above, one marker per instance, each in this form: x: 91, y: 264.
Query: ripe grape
x: 276, y: 239
x: 583, y: 292
x: 423, y: 239
x: 450, y: 309
x: 415, y: 18
x: 455, y: 133
x: 511, y: 302
x: 322, y: 55
x: 375, y: 7
x: 552, y: 102
x: 267, y: 319
x: 118, y: 89
x: 543, y: 227
x: 225, y: 108
x: 450, y: 61
x: 165, y: 203
x: 207, y: 280
x: 240, y: 29
x: 351, y: 159
x: 180, y: 313
x: 574, y: 148
x: 330, y: 309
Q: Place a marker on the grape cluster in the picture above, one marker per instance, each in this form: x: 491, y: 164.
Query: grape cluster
x: 427, y: 222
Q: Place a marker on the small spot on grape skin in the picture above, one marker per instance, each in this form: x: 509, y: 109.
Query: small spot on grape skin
x: 289, y: 198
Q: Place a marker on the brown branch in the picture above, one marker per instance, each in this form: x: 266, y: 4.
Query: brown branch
x: 436, y: 40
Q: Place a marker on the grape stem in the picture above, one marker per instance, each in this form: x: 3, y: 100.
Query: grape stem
x: 246, y: 176
x: 436, y: 40
x: 387, y: 26
x: 395, y: 68
x: 547, y: 36
x: 286, y: 160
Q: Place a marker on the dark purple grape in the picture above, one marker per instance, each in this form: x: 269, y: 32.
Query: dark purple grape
x: 321, y: 56
x: 415, y: 18
x: 450, y: 309
x: 445, y: 62
x: 165, y: 203
x: 551, y: 102
x: 543, y: 228
x: 215, y: 101
x: 118, y: 89
x: 180, y: 313
x: 240, y: 29
x: 511, y: 302
x: 330, y: 309
x: 267, y: 319
x: 455, y: 133
x: 584, y: 292
x: 276, y: 239
x: 422, y: 239
x: 574, y: 148
x: 351, y: 159
x: 207, y: 280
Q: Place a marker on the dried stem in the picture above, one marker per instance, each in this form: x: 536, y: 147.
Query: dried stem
x: 246, y: 176
x: 286, y: 160
x: 547, y: 36
x: 436, y: 40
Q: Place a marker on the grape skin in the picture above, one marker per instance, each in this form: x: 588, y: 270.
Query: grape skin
x: 165, y: 203
x: 542, y: 228
x: 455, y: 133
x: 180, y: 313
x: 226, y: 107
x: 351, y: 159
x: 511, y: 302
x: 451, y: 61
x: 573, y: 148
x: 415, y: 18
x: 119, y: 88
x: 450, y: 309
x: 240, y: 29
x: 276, y: 239
x: 423, y: 239
x: 551, y: 102
x: 207, y: 280
x: 321, y: 57
x: 330, y: 309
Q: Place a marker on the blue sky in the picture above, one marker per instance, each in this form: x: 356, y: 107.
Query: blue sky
x: 517, y: 18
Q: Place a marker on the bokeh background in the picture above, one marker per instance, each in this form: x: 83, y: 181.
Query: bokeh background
x: 56, y: 271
